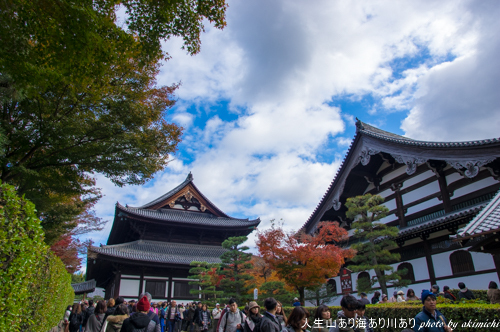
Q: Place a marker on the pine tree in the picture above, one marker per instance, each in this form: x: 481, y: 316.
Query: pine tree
x: 235, y: 266
x: 376, y: 240
x: 206, y: 276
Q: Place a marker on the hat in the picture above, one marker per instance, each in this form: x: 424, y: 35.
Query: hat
x: 217, y: 304
x: 401, y: 292
x: 383, y: 295
x: 143, y: 304
x: 426, y: 293
x: 295, y: 299
x: 252, y: 305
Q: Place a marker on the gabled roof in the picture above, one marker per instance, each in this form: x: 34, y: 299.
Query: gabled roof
x: 188, y: 217
x: 161, y: 252
x: 84, y: 287
x: 187, y: 185
x: 486, y: 221
x: 466, y: 157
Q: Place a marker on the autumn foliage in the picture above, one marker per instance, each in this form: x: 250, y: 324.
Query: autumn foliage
x: 302, y: 260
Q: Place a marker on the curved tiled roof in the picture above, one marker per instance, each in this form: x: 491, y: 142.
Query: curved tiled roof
x: 84, y: 287
x: 364, y: 129
x: 487, y: 220
x: 188, y: 217
x: 385, y: 135
x: 162, y: 252
x: 466, y: 212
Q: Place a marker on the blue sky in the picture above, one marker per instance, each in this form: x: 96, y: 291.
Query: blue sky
x: 269, y: 104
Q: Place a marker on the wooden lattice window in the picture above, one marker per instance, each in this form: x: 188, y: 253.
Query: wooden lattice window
x: 156, y: 288
x: 181, y: 289
x: 461, y: 262
x: 409, y: 275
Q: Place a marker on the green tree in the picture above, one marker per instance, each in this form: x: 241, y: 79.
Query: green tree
x: 235, y: 266
x: 78, y: 96
x: 277, y: 290
x: 376, y: 240
x: 206, y: 277
x: 320, y: 294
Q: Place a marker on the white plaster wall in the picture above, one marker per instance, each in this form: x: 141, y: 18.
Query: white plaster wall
x: 421, y: 192
x: 388, y: 218
x: 420, y: 268
x: 423, y: 205
x: 416, y: 179
x: 370, y: 187
x: 482, y: 261
x: 129, y: 287
x: 391, y: 205
x: 393, y: 174
x: 385, y: 193
x: 453, y: 177
x: 474, y: 187
x: 442, y: 266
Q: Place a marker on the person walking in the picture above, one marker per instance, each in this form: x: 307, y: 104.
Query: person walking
x: 297, y: 322
x: 376, y: 297
x: 269, y: 322
x: 233, y: 320
x: 430, y: 319
x: 204, y: 318
x: 216, y: 314
x: 115, y: 321
x: 322, y: 319
x: 75, y: 318
x: 97, y: 319
x: 254, y: 319
x: 141, y: 319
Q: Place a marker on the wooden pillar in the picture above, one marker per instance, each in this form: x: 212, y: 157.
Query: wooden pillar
x: 496, y: 259
x: 116, y: 291
x: 428, y: 258
x: 437, y: 167
x: 141, y: 283
x: 169, y: 291
x: 399, y: 203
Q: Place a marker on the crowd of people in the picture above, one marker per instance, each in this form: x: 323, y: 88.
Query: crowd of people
x: 117, y: 315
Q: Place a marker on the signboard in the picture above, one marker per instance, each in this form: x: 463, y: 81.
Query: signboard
x: 345, y: 281
x: 255, y: 294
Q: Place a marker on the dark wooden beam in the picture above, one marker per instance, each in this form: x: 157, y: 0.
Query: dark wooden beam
x: 428, y: 259
x: 399, y: 204
x: 496, y: 259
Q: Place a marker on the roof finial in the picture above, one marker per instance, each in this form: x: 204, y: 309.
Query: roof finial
x: 190, y: 177
x: 359, y: 125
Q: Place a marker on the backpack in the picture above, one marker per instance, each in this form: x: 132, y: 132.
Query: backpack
x: 150, y: 328
x: 74, y: 321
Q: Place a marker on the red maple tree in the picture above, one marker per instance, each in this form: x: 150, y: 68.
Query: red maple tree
x: 302, y: 260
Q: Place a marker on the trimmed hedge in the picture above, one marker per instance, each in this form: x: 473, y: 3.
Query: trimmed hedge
x: 460, y: 313
x: 34, y: 285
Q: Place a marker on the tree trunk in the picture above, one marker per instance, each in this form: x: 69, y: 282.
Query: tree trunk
x: 381, y: 281
x: 301, y: 294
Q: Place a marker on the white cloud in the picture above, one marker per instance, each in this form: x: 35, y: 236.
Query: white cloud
x: 278, y: 64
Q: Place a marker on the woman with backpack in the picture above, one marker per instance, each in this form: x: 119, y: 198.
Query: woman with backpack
x: 97, y: 319
x: 252, y: 322
x: 75, y: 318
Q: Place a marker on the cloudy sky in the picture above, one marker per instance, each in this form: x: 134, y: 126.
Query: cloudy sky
x: 268, y: 106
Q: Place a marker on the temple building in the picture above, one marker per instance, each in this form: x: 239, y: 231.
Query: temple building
x: 432, y: 190
x: 150, y: 247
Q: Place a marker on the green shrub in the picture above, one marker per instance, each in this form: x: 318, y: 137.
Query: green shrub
x: 34, y: 285
x: 456, y: 312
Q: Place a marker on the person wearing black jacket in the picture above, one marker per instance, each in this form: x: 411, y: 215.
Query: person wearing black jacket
x: 141, y: 319
x: 75, y: 318
x: 89, y: 312
x: 254, y: 318
x: 269, y: 322
x: 197, y: 322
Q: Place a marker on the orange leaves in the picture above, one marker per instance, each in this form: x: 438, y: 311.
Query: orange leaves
x: 302, y: 260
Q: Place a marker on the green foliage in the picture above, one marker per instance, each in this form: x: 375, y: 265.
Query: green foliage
x: 206, y: 276
x: 31, y: 277
x: 235, y: 266
x: 460, y: 313
x: 373, y: 250
x: 78, y: 96
x: 320, y: 294
x: 78, y: 277
x: 277, y: 290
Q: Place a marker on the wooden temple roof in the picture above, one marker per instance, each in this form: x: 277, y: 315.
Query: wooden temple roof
x: 84, y: 287
x: 372, y: 146
x: 188, y: 217
x: 160, y: 252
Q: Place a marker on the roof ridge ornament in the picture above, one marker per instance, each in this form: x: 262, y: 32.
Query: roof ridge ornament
x: 189, y: 177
